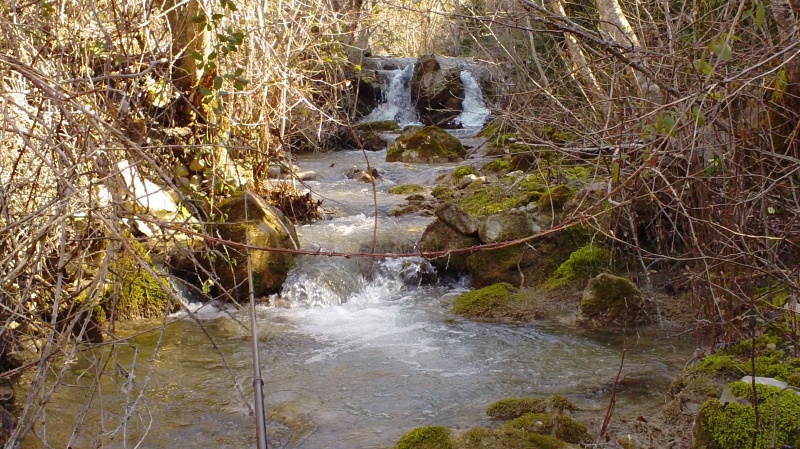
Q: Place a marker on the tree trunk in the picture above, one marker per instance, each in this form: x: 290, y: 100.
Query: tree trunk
x: 188, y: 39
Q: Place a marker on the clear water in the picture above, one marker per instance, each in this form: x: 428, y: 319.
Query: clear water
x: 358, y: 352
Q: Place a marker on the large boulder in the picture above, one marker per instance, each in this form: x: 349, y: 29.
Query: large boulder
x: 455, y: 217
x: 265, y: 226
x: 438, y: 236
x: 428, y: 144
x: 613, y: 301
x: 437, y: 90
x: 507, y: 225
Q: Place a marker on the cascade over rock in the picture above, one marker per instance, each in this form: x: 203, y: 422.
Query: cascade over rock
x: 437, y: 90
x: 267, y: 227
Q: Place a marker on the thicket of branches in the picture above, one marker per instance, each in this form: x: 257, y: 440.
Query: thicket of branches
x: 689, y: 108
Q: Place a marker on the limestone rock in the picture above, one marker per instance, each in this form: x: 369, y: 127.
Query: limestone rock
x: 437, y: 90
x: 508, y: 225
x: 438, y: 236
x: 267, y: 227
x: 429, y: 144
x: 455, y: 217
x: 613, y: 301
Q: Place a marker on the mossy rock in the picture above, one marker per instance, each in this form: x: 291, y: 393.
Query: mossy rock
x: 515, y: 407
x: 406, y: 189
x: 561, y: 426
x: 438, y: 236
x: 613, y: 301
x: 135, y: 293
x: 249, y: 218
x: 582, y: 264
x: 506, y: 438
x: 498, y: 302
x: 732, y: 425
x: 514, y: 263
x: 500, y: 165
x: 463, y: 170
x: 429, y: 144
x: 555, y: 198
x: 511, y: 408
x: 493, y: 199
x: 382, y: 125
x: 430, y: 437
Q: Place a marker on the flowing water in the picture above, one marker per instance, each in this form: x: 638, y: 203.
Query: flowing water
x: 361, y: 351
x: 355, y: 352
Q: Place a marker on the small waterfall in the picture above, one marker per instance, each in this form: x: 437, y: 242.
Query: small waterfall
x: 397, y: 105
x: 474, y: 112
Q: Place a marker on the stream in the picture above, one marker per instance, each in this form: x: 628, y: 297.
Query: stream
x: 358, y: 353
x: 355, y: 352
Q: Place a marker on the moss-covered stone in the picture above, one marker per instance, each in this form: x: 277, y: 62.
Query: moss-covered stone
x: 135, y: 292
x: 498, y: 166
x: 506, y: 438
x: 429, y: 144
x: 558, y: 425
x: 511, y: 408
x: 488, y: 200
x: 582, y: 264
x: 498, y: 302
x: 406, y: 189
x: 555, y: 198
x: 430, y: 437
x: 732, y: 425
x: 382, y: 125
x: 613, y: 301
x: 462, y: 171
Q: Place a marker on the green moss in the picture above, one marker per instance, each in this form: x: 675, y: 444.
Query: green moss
x: 556, y: 197
x: 490, y: 200
x: 560, y: 426
x: 384, y: 125
x: 732, y: 425
x: 582, y: 264
x: 498, y: 166
x: 140, y: 295
x: 463, y: 170
x: 430, y: 437
x: 406, y: 189
x: 515, y: 407
x: 772, y: 364
x: 506, y: 438
x: 430, y: 144
x: 496, y: 302
x: 442, y: 192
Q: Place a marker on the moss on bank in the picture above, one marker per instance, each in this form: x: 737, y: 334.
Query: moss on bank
x: 733, y: 425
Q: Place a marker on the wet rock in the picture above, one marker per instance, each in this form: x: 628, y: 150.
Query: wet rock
x: 613, y: 301
x: 429, y: 144
x: 467, y: 181
x: 437, y: 90
x: 507, y: 225
x: 455, y: 217
x: 267, y: 227
x: 438, y: 236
